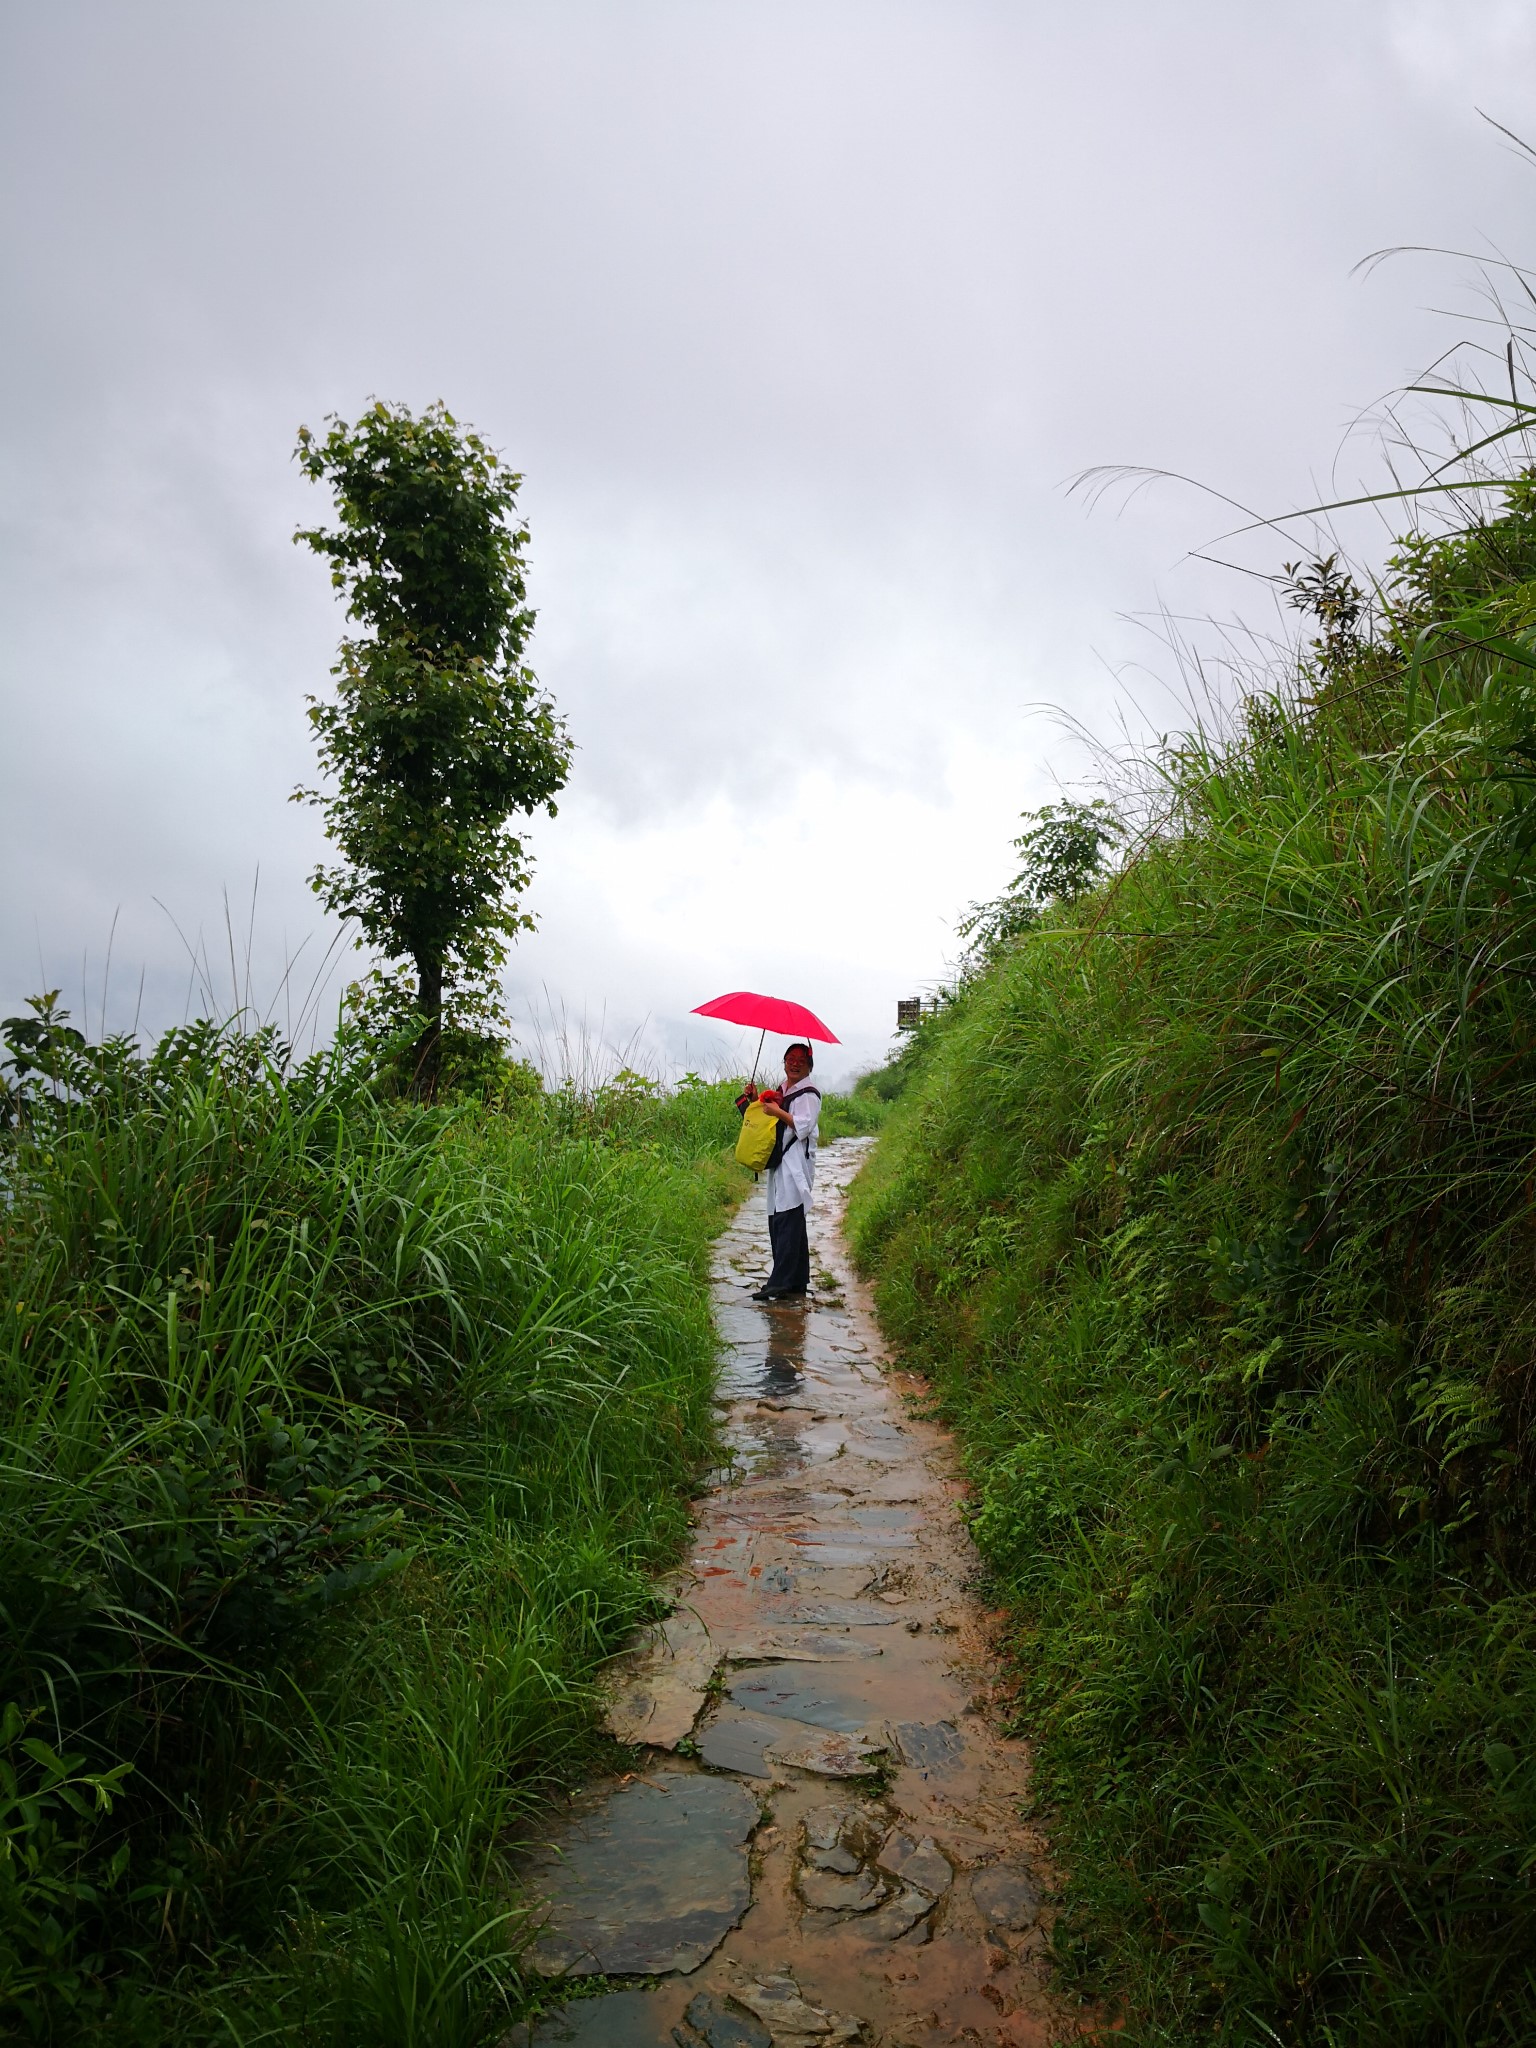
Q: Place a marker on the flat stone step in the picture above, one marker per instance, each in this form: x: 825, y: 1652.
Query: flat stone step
x: 650, y: 1878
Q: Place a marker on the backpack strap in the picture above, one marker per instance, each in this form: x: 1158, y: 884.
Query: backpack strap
x: 789, y: 1135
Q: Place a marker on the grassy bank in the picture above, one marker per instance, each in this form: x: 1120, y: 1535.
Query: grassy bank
x: 858, y: 1114
x: 338, y: 1441
x: 1209, y: 1208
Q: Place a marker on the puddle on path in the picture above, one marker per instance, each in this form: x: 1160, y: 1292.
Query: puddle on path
x: 836, y: 1853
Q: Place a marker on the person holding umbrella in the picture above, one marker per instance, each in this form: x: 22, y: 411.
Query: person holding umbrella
x: 795, y: 1108
x: 791, y: 1174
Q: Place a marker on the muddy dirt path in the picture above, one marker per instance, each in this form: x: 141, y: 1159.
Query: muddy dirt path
x: 823, y: 1843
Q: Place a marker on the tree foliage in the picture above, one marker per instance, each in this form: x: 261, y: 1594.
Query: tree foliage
x: 437, y: 736
x: 1064, y: 849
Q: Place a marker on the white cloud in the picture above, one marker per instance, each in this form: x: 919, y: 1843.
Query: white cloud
x: 1469, y: 51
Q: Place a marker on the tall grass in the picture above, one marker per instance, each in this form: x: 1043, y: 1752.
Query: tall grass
x: 338, y: 1442
x: 857, y: 1114
x: 1210, y: 1209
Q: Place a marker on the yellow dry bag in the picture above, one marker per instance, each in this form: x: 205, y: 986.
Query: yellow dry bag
x: 758, y: 1130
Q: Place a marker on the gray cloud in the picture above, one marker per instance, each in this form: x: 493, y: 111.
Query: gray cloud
x: 795, y: 319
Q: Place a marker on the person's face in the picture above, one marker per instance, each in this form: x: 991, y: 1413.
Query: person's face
x: 796, y: 1065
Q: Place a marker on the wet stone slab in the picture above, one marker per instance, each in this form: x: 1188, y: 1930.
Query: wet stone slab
x: 928, y: 1745
x: 651, y: 1879
x: 827, y: 1892
x: 823, y: 1698
x: 830, y: 1755
x: 737, y: 1741
x: 808, y: 1646
x: 790, y: 2016
x: 624, y: 2019
x: 839, y: 1838
x: 1007, y: 1897
x: 715, y: 2023
x: 844, y: 1614
x: 819, y: 1549
x: 921, y: 1864
x: 898, y: 1916
x: 655, y: 1694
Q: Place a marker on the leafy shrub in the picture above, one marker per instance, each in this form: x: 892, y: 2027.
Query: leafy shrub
x: 1063, y: 850
x: 47, y: 1807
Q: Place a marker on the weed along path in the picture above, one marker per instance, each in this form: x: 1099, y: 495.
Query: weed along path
x: 822, y: 1841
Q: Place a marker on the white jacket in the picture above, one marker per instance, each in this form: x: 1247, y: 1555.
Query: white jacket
x: 791, y: 1181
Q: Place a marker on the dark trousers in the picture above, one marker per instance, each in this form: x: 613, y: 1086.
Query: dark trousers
x: 791, y: 1253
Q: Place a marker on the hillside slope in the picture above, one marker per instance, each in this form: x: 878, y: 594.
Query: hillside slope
x: 1211, y: 1210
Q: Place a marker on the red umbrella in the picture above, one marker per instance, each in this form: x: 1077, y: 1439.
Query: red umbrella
x: 770, y: 1013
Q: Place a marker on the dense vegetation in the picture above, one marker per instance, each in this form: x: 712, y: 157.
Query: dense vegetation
x: 339, y: 1438
x: 1210, y: 1205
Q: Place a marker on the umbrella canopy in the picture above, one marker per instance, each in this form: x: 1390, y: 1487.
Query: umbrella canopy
x: 767, y: 1013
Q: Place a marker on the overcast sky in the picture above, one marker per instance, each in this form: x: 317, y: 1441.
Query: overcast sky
x: 797, y: 320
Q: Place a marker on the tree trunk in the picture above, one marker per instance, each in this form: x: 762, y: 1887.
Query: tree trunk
x: 429, y: 1047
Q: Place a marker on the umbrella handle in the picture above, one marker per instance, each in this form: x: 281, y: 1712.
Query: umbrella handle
x: 757, y: 1055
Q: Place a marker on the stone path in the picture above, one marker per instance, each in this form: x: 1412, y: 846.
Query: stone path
x: 822, y: 1841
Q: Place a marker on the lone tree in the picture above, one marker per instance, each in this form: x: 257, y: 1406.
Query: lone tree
x: 438, y: 736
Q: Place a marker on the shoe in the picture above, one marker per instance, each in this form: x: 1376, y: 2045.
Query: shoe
x: 770, y: 1294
